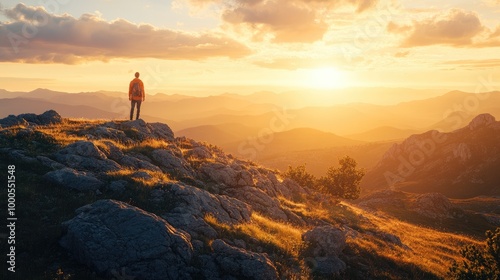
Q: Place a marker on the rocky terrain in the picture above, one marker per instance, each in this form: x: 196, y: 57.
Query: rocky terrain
x: 129, y: 200
x: 459, y: 164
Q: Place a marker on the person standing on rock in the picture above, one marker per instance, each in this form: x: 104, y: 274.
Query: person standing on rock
x: 136, y: 95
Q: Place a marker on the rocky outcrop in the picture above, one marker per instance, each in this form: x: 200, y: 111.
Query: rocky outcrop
x: 140, y: 130
x: 201, y: 198
x: 170, y: 163
x: 255, y: 186
x: 323, y: 247
x: 72, y: 179
x: 430, y: 205
x: 84, y: 155
x: 242, y: 264
x: 433, y: 205
x: 111, y: 236
x: 49, y: 117
x: 193, y: 204
x: 481, y: 121
x: 458, y: 164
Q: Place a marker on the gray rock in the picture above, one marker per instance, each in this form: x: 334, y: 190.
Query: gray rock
x: 259, y: 200
x: 136, y: 163
x: 50, y: 163
x: 194, y: 225
x: 242, y: 264
x: 88, y: 164
x: 84, y: 155
x: 200, y: 153
x: 323, y: 246
x: 142, y: 175
x: 84, y: 149
x: 20, y: 155
x: 118, y: 186
x: 208, y: 267
x: 70, y: 178
x: 324, y: 241
x: 112, y: 151
x: 103, y: 132
x: 142, y: 130
x: 162, y: 131
x: 172, y: 164
x: 49, y: 117
x: 326, y: 265
x: 433, y: 205
x: 110, y: 236
x: 193, y: 204
x: 12, y: 120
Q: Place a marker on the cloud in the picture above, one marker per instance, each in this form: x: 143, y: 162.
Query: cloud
x: 456, y: 28
x: 32, y: 35
x: 286, y: 21
x: 475, y: 63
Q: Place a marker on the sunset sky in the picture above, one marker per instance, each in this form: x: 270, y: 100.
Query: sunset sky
x: 213, y: 46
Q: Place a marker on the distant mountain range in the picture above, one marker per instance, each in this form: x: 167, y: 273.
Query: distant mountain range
x: 459, y: 164
x: 267, y: 126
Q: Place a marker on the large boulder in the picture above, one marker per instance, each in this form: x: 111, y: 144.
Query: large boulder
x: 12, y: 120
x: 231, y: 176
x: 171, y: 163
x: 323, y: 246
x: 193, y: 204
x: 433, y: 205
x: 259, y: 200
x: 111, y: 236
x: 140, y: 130
x: 242, y: 264
x: 49, y: 117
x: 84, y: 155
x: 84, y: 149
x: 72, y: 179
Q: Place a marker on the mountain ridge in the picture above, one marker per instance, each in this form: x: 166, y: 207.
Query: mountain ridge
x: 462, y: 162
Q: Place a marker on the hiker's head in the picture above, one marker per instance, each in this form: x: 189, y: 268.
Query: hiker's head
x: 137, y: 74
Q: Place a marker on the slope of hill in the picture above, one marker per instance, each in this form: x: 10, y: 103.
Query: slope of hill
x: 318, y: 161
x: 111, y: 199
x: 220, y: 135
x: 265, y: 143
x: 384, y: 133
x: 472, y: 216
x: 459, y: 164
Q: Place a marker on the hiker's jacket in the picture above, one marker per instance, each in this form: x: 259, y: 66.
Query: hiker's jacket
x: 141, y: 86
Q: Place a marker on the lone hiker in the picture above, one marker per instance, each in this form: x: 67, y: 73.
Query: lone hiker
x: 136, y: 95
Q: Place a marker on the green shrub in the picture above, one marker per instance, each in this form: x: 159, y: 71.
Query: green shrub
x: 479, y: 263
x: 343, y: 181
x: 301, y: 176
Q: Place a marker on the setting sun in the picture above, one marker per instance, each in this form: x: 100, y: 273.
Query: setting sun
x: 324, y: 78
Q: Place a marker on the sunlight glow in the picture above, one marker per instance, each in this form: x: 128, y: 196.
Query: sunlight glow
x: 323, y: 78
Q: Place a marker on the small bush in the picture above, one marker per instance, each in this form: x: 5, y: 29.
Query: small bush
x: 479, y: 263
x: 343, y: 181
x: 301, y: 176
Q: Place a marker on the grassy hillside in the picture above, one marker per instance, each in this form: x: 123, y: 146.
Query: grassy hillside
x: 378, y: 246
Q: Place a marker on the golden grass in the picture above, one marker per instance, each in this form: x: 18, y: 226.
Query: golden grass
x: 428, y: 249
x: 286, y: 237
x: 305, y: 209
x: 157, y: 177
